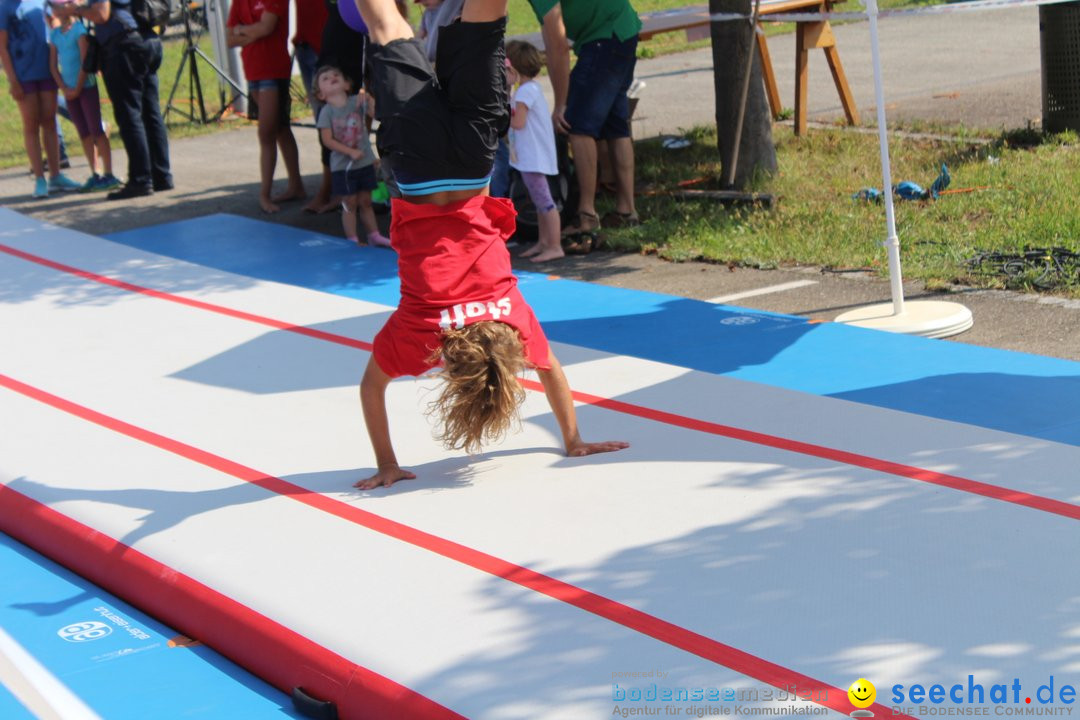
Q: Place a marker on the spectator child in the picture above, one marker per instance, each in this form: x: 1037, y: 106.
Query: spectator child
x: 260, y: 29
x: 24, y: 53
x: 460, y: 306
x: 532, y: 146
x: 343, y: 126
x: 342, y: 47
x: 69, y: 43
x: 590, y: 101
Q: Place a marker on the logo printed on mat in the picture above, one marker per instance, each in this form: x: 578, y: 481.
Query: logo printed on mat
x: 84, y: 631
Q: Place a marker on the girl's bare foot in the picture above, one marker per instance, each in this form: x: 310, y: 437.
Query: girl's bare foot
x: 268, y: 206
x: 293, y: 193
x: 549, y: 254
x: 533, y: 250
x: 319, y: 205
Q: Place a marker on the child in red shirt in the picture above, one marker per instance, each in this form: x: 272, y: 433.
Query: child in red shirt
x: 460, y: 306
x: 260, y: 28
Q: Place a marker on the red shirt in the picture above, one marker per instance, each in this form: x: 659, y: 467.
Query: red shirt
x: 267, y: 58
x: 311, y: 16
x: 455, y: 271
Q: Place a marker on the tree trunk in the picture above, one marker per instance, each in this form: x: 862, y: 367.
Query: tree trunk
x: 730, y: 46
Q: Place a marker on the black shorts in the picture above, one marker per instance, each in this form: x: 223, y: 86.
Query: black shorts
x: 439, y: 128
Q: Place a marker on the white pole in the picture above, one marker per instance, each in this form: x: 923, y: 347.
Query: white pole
x: 928, y: 318
x: 892, y: 242
x: 228, y: 59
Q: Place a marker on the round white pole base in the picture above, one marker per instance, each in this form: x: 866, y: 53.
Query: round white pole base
x: 926, y: 318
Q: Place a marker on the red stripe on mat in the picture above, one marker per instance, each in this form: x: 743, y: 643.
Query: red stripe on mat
x: 662, y: 630
x: 954, y: 482
x: 282, y: 657
x: 181, y: 300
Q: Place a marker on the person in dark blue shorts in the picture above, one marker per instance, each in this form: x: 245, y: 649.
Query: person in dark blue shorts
x: 591, y: 102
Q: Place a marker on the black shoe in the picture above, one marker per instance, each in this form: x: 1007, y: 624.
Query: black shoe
x: 130, y: 191
x: 163, y: 186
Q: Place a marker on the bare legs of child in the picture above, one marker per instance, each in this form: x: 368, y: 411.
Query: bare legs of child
x: 322, y: 202
x: 38, y: 111
x: 98, y: 152
x: 275, y: 132
x: 359, y: 204
x: 549, y: 243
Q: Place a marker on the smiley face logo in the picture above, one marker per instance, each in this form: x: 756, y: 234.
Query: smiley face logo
x: 862, y: 693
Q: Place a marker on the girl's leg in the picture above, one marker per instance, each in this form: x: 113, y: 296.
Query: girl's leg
x: 325, y: 191
x: 291, y: 155
x: 90, y: 151
x: 549, y: 245
x: 104, y: 148
x: 47, y: 122
x: 31, y: 122
x: 367, y: 218
x: 267, y: 100
x: 77, y: 114
x: 90, y: 105
x: 348, y: 217
x: 323, y: 200
x: 550, y: 238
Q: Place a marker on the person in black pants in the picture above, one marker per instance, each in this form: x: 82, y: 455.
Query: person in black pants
x: 130, y: 58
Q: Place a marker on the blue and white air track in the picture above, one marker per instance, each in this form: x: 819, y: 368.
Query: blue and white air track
x: 802, y: 505
x: 75, y: 652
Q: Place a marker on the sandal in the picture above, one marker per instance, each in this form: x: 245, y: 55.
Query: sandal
x: 580, y: 243
x: 615, y: 219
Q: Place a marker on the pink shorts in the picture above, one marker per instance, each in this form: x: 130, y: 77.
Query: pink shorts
x: 85, y: 112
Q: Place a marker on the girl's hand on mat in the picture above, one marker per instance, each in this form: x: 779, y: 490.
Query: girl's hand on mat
x: 386, y: 476
x: 582, y: 448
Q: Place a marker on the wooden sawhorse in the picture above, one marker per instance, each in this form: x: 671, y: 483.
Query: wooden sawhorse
x: 808, y: 35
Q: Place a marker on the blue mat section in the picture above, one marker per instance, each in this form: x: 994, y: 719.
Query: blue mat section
x: 1015, y: 392
x: 116, y: 659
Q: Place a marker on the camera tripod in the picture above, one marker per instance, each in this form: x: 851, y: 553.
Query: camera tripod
x: 196, y: 100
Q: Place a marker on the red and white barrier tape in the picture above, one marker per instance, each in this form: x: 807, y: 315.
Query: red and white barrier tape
x: 972, y: 6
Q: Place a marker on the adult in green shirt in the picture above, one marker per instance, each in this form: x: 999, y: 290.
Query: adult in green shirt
x: 590, y: 101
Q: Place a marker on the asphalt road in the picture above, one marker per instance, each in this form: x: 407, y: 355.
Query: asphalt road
x: 980, y: 69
